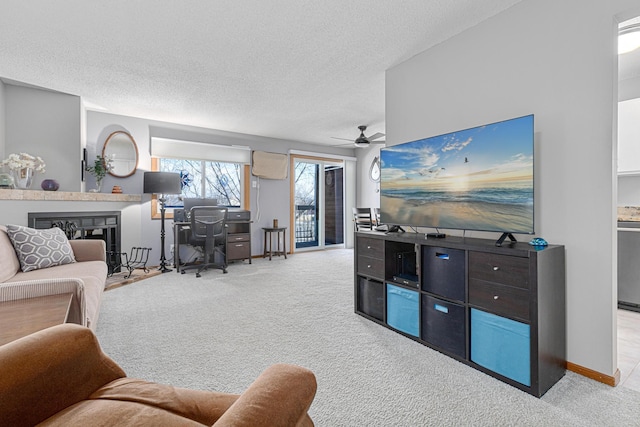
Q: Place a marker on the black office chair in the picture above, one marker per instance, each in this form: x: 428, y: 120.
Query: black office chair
x: 209, y: 231
x: 362, y: 219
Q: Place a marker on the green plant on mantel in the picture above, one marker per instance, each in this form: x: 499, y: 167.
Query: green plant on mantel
x: 100, y: 168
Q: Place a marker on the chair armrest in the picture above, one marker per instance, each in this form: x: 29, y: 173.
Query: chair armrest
x: 42, y: 287
x: 280, y: 396
x: 45, y: 372
x: 89, y: 250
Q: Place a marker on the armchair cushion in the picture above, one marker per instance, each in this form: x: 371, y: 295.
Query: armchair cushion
x: 40, y: 248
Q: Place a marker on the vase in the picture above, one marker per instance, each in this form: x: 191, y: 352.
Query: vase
x: 22, y: 178
x: 98, y: 187
x: 49, y: 185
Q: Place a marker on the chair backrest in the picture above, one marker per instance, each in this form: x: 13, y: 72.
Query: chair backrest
x: 208, y: 222
x: 362, y: 219
x: 376, y: 216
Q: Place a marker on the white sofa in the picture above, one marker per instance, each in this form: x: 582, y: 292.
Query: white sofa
x: 85, y: 278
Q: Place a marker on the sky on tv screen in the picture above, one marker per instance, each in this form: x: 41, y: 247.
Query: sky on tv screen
x: 475, y: 179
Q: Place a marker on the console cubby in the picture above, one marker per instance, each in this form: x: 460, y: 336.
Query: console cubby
x: 403, y: 309
x: 500, y: 310
x: 401, y: 264
x: 444, y: 272
x: 444, y: 325
x: 370, y: 298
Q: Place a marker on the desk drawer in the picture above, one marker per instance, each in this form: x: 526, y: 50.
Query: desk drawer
x: 505, y: 269
x: 238, y: 250
x: 373, y: 248
x: 239, y: 237
x: 500, y: 299
x: 371, y: 267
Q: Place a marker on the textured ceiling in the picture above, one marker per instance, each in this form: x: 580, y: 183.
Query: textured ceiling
x: 290, y: 69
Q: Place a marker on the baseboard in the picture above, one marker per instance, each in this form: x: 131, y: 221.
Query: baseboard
x: 595, y: 375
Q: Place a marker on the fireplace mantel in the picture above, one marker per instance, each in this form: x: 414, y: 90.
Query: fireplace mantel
x: 38, y: 195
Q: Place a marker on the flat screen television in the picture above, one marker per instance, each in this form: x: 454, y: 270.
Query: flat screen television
x: 475, y: 179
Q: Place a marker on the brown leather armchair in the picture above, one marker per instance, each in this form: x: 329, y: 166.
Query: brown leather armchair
x: 60, y: 376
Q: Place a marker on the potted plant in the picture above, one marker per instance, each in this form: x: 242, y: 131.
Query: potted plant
x: 101, y: 166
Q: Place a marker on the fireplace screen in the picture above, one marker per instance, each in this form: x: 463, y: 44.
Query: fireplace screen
x: 84, y: 225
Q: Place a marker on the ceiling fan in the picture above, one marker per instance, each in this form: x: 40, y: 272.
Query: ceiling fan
x: 363, y: 141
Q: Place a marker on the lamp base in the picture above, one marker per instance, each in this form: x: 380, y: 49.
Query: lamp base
x: 163, y: 268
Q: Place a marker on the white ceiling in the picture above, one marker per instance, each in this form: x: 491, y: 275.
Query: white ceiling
x: 291, y: 69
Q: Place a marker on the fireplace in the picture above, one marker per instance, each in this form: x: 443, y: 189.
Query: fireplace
x: 85, y: 225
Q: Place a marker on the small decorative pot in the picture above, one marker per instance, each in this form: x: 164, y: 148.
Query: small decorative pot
x: 50, y: 185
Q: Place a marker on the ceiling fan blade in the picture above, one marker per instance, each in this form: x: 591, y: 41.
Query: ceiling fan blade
x: 379, y: 142
x: 342, y: 139
x: 375, y: 136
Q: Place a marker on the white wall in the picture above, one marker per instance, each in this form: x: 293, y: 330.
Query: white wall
x: 556, y: 60
x: 2, y: 120
x: 46, y: 124
x: 629, y: 136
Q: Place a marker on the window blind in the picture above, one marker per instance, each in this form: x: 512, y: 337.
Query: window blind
x: 180, y: 149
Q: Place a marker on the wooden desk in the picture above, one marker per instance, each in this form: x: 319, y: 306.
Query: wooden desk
x: 238, y: 240
x: 268, y: 234
x: 22, y: 317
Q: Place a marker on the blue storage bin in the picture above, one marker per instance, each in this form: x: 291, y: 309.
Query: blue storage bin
x: 403, y: 309
x: 502, y: 345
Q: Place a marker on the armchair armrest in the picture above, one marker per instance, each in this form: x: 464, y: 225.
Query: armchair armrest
x: 89, y: 250
x: 280, y: 396
x: 47, y: 371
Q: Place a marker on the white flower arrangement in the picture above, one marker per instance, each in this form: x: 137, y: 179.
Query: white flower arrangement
x: 23, y: 160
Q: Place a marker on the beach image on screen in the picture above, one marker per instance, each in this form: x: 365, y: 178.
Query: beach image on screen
x: 475, y: 179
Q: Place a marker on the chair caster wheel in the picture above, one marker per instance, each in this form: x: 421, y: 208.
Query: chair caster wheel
x: 198, y: 275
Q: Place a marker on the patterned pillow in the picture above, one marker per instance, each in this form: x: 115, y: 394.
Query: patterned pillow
x: 40, y: 248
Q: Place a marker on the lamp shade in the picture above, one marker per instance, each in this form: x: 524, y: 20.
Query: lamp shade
x: 162, y: 183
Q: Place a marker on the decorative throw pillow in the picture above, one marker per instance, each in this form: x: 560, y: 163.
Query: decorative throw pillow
x: 40, y: 248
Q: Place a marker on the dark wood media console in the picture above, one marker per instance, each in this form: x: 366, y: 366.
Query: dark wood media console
x: 500, y: 310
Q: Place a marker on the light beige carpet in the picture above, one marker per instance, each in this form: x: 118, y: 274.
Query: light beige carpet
x: 220, y: 331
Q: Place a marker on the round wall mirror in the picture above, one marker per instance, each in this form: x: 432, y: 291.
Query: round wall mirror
x: 123, y: 152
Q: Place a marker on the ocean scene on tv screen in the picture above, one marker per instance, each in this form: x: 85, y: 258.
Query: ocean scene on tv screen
x: 475, y: 179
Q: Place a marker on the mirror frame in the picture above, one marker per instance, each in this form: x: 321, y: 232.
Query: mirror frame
x: 135, y: 147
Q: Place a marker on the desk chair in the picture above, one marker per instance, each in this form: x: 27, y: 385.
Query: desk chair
x: 209, y: 231
x: 376, y: 216
x: 362, y: 219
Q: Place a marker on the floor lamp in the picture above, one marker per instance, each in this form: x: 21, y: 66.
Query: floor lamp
x: 162, y: 183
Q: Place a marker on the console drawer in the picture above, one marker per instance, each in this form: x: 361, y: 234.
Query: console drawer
x: 373, y: 248
x: 239, y: 237
x: 500, y: 299
x: 371, y: 267
x: 505, y: 269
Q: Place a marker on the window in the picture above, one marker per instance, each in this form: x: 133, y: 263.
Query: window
x: 207, y: 179
x: 225, y: 181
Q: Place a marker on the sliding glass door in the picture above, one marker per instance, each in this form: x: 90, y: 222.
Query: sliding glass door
x: 318, y: 202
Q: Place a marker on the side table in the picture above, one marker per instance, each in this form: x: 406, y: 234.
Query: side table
x: 26, y: 316
x: 268, y: 236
